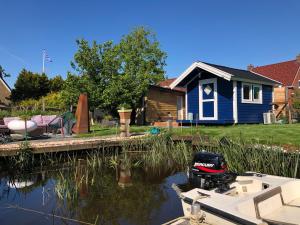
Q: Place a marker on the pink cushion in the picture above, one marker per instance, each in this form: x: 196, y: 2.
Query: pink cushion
x: 48, y: 119
x: 8, y: 119
x: 38, y: 119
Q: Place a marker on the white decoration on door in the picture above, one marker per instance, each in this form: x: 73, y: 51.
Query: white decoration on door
x: 207, y: 89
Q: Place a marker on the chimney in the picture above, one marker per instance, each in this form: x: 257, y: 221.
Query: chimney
x: 298, y: 58
x: 250, y: 67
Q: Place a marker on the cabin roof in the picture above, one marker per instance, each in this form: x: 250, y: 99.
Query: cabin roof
x: 224, y: 72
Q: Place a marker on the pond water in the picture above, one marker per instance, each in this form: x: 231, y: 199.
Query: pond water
x: 103, y: 197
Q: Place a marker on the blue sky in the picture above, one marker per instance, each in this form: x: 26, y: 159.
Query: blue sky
x: 232, y: 32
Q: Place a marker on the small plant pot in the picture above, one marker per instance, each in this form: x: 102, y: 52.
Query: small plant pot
x: 125, y: 114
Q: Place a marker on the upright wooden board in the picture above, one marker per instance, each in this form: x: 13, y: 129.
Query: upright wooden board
x: 82, y: 125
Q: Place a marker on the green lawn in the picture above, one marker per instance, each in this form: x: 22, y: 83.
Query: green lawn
x: 273, y: 134
x: 96, y: 130
x: 288, y: 134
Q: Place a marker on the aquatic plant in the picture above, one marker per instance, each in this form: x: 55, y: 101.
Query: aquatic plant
x: 243, y: 156
x: 23, y: 160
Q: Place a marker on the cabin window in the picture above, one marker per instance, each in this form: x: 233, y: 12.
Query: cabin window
x: 246, y: 92
x: 251, y: 93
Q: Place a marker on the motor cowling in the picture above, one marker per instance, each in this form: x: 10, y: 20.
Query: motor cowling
x: 209, y: 170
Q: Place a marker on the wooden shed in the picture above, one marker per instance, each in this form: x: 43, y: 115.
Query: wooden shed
x: 162, y: 104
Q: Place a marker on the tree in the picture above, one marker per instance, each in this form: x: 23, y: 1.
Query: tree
x: 56, y: 83
x: 116, y: 73
x: 141, y: 64
x: 30, y: 85
x: 95, y: 66
x: 3, y: 73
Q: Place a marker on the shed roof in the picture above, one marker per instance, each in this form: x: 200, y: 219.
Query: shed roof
x: 166, y: 84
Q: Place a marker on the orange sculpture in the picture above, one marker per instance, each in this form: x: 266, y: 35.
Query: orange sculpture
x: 82, y: 125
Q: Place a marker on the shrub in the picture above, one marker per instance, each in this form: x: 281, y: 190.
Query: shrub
x: 4, y: 113
x: 52, y: 100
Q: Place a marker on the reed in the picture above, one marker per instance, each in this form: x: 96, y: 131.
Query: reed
x: 243, y: 156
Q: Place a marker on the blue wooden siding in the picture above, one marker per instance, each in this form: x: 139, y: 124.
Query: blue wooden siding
x: 193, y: 98
x: 253, y: 113
x: 225, y: 100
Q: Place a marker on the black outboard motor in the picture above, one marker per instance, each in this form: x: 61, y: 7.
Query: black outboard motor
x: 209, y: 170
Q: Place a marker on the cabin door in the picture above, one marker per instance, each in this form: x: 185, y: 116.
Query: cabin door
x: 208, y: 99
x: 179, y: 107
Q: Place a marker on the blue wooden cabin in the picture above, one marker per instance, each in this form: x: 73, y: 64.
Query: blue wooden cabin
x: 222, y: 95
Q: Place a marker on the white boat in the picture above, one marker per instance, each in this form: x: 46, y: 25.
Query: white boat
x: 252, y: 199
x: 18, y: 126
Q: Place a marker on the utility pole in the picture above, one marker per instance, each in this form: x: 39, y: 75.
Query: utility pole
x: 43, y: 55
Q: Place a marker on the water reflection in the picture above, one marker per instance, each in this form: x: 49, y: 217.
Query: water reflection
x: 102, y: 195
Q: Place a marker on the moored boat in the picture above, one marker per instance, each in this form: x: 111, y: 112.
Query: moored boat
x: 252, y: 199
x: 224, y: 198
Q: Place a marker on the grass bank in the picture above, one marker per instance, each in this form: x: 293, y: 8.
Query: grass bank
x: 281, y: 134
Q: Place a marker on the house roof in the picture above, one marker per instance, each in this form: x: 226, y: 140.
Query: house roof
x: 5, y: 84
x: 166, y: 84
x: 285, y: 72
x: 224, y: 72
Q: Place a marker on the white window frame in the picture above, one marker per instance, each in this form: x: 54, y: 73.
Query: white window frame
x: 215, y: 99
x: 252, y: 100
x: 250, y: 94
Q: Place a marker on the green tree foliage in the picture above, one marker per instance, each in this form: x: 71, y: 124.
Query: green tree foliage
x: 51, y: 100
x: 296, y: 101
x: 31, y: 85
x: 113, y: 74
x: 56, y: 83
x: 141, y: 64
x: 3, y: 73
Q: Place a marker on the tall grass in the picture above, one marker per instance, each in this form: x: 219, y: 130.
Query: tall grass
x: 158, y: 154
x: 242, y: 156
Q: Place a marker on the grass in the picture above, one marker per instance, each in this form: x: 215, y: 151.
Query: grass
x: 281, y: 134
x: 97, y: 130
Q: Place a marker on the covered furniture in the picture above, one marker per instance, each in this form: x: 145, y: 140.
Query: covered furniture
x: 43, y: 122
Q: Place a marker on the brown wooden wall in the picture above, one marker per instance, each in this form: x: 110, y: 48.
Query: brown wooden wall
x: 160, y: 102
x: 4, y: 93
x: 279, y: 95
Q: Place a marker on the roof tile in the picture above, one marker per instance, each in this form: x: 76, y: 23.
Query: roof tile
x: 284, y: 72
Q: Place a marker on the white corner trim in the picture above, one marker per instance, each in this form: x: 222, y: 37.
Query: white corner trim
x: 5, y: 85
x: 234, y: 103
x: 186, y: 104
x: 215, y: 100
x: 201, y: 65
x: 251, y: 100
x: 273, y: 99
